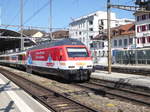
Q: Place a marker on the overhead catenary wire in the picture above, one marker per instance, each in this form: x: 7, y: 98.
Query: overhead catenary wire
x: 36, y: 12
x: 17, y: 14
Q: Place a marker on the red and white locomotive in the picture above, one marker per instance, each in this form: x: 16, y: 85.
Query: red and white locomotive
x: 67, y: 58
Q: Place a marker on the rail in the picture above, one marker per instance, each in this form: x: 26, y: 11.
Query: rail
x: 52, y: 100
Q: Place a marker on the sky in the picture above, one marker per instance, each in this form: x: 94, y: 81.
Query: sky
x: 63, y: 11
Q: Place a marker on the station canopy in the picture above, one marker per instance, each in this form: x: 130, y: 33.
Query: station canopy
x: 11, y: 40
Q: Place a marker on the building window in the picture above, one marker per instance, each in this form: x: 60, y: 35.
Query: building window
x: 91, y: 29
x: 90, y: 22
x: 120, y: 42
x: 148, y: 26
x: 143, y: 40
x: 143, y: 17
x: 99, y: 53
x: 91, y: 37
x: 102, y: 22
x: 130, y: 41
x: 102, y: 44
x: 138, y: 18
x: 91, y: 45
x: 80, y: 39
x: 125, y: 42
x: 115, y: 43
x: 143, y: 28
x: 83, y: 39
x: 138, y: 40
x: 149, y: 15
x: 76, y: 33
x: 80, y: 33
x: 148, y: 39
x: 114, y: 33
x: 138, y: 29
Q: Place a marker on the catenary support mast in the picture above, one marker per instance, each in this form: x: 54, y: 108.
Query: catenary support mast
x: 109, y: 39
x: 21, y: 24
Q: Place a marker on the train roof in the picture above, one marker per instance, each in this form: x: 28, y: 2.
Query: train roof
x: 66, y: 41
x: 13, y: 53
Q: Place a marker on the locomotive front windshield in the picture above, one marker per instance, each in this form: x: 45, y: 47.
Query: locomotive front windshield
x: 77, y: 52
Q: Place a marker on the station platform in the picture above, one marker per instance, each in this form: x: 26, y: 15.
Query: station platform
x: 14, y: 99
x: 146, y: 67
x: 135, y: 80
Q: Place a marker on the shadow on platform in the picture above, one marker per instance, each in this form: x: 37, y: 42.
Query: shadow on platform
x: 8, y: 108
x: 7, y: 87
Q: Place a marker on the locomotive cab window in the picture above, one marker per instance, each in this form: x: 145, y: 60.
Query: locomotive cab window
x: 77, y: 52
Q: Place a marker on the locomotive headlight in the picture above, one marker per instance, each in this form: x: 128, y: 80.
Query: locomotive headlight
x: 89, y: 66
x: 71, y: 66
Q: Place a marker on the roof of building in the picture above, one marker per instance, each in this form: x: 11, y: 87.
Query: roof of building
x: 11, y: 40
x: 6, y: 32
x: 100, y: 37
x: 88, y: 16
x: 31, y: 32
x: 127, y: 29
x: 60, y: 34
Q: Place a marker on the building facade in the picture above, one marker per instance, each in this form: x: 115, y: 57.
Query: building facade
x: 123, y: 37
x: 87, y: 27
x: 142, y: 29
x: 99, y: 49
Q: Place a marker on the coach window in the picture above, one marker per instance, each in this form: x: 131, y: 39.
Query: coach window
x: 20, y: 57
x: 1, y: 58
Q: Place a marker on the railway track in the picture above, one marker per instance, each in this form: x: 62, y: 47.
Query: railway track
x: 120, y: 93
x: 51, y: 99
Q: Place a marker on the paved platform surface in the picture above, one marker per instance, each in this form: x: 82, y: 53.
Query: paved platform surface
x: 126, y: 66
x: 14, y: 99
x: 136, y: 80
